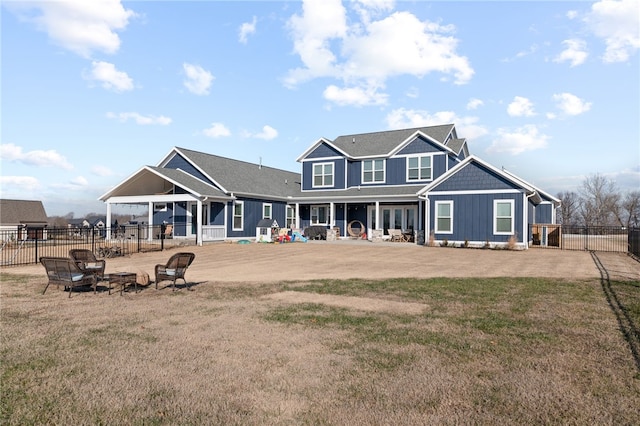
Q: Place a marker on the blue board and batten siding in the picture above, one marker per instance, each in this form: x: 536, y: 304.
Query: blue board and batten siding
x: 252, y: 214
x: 473, y: 190
x: 473, y: 216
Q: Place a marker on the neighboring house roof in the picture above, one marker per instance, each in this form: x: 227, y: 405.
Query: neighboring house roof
x: 384, y: 143
x: 22, y: 212
x: 241, y: 177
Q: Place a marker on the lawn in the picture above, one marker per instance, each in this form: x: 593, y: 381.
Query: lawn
x: 478, y: 351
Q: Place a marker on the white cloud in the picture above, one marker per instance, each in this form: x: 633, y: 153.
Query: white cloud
x: 467, y: 127
x: 520, y: 107
x: 198, y: 79
x: 139, y: 118
x: 109, y: 76
x: 474, y: 103
x: 267, y: 133
x: 571, y: 104
x: 19, y: 184
x: 526, y: 138
x: 77, y: 25
x: 101, y: 170
x: 79, y: 183
x: 357, y: 96
x: 245, y: 29
x: 572, y: 14
x: 618, y: 24
x: 39, y: 158
x: 575, y: 52
x: 365, y: 53
x: 217, y: 130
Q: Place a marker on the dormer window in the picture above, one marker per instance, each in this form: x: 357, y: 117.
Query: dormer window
x: 373, y: 171
x: 419, y: 168
x: 322, y: 175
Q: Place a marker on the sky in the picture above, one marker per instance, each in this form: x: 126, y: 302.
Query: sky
x: 93, y: 91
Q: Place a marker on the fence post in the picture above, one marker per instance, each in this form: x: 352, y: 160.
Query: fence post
x: 163, y: 228
x: 36, y: 243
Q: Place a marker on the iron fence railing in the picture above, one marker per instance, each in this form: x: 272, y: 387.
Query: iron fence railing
x: 591, y: 238
x: 24, y: 245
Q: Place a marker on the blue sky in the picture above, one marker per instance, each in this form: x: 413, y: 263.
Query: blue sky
x: 92, y: 91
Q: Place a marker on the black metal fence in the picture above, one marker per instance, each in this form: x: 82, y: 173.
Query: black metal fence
x: 24, y: 245
x: 591, y: 238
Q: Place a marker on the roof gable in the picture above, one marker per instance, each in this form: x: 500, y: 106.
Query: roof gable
x: 385, y: 143
x: 473, y: 174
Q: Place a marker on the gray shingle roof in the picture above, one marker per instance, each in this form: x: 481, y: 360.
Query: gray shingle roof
x: 16, y: 212
x: 240, y: 177
x: 456, y: 144
x: 382, y: 143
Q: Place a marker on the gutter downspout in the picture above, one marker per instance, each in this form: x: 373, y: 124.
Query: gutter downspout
x: 427, y: 229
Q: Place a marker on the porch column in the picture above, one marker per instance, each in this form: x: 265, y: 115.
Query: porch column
x: 298, y: 216
x: 150, y: 221
x: 420, y: 218
x: 199, y: 219
x: 108, y: 224
x: 378, y: 215
x: 332, y: 210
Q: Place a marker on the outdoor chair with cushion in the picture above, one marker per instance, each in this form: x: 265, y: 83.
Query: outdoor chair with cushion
x: 88, y: 263
x: 174, y: 269
x: 64, y: 271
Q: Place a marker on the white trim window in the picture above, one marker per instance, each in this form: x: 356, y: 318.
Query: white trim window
x: 373, y: 171
x: 291, y: 214
x: 266, y: 210
x: 503, y: 217
x: 238, y: 215
x: 322, y: 175
x: 320, y: 215
x: 420, y: 167
x: 444, y: 217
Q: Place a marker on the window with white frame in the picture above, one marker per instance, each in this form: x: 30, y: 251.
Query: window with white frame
x: 291, y: 214
x: 320, y: 215
x: 266, y: 210
x: 503, y: 215
x: 238, y: 215
x: 419, y: 168
x: 322, y: 175
x: 373, y: 171
x: 444, y: 217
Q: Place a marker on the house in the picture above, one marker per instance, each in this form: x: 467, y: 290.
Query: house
x: 422, y: 181
x: 24, y: 219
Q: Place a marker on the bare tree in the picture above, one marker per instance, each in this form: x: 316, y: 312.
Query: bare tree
x: 630, y: 208
x: 598, y: 201
x: 569, y: 208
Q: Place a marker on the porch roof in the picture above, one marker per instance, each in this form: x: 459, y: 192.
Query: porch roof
x: 150, y: 180
x: 363, y: 193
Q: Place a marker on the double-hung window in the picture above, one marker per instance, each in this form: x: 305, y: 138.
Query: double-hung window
x: 503, y: 217
x: 444, y: 217
x: 320, y: 215
x: 372, y: 171
x: 266, y: 211
x: 419, y: 168
x: 322, y: 175
x: 238, y: 215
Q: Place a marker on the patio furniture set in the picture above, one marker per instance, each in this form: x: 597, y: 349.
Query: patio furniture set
x: 82, y: 268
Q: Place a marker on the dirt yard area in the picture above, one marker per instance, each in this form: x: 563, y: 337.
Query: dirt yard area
x: 265, y: 263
